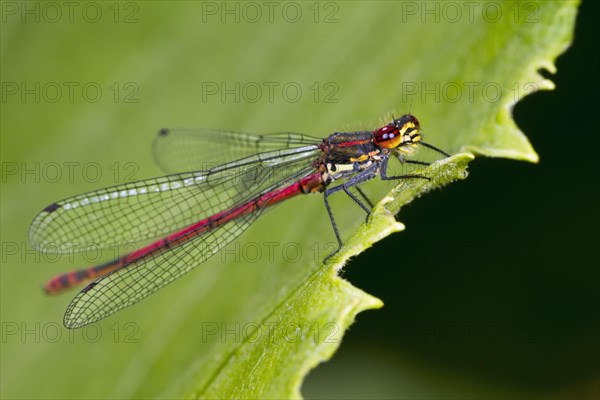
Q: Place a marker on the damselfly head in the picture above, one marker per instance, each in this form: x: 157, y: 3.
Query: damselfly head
x: 403, y: 132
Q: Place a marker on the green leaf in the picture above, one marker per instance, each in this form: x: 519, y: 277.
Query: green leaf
x: 306, y: 327
x: 241, y: 326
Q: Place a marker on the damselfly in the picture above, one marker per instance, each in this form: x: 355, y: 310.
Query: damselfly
x: 195, y: 214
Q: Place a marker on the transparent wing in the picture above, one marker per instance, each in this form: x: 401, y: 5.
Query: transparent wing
x: 154, y: 207
x: 182, y: 150
x: 136, y: 280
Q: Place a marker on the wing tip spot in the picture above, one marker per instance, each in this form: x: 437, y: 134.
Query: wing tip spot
x: 52, y: 207
x: 163, y: 132
x: 89, y: 287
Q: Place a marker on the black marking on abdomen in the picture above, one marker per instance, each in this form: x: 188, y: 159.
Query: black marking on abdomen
x: 81, y: 275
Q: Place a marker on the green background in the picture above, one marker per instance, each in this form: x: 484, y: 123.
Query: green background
x: 491, y: 290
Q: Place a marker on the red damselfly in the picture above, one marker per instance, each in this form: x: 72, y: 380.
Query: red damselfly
x: 195, y: 214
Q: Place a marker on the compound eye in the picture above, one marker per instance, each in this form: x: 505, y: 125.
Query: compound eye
x: 388, y: 137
